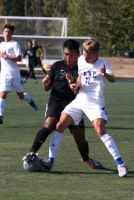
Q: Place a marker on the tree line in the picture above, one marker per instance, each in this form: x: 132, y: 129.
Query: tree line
x: 110, y: 21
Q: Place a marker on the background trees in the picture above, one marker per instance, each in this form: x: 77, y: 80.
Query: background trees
x: 110, y: 21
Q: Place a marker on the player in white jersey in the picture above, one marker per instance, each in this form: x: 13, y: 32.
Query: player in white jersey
x: 93, y: 71
x: 10, y: 53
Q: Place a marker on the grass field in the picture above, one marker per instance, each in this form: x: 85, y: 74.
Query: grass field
x: 69, y: 179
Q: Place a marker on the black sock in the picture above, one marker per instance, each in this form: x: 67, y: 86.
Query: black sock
x: 40, y: 139
x: 84, y: 151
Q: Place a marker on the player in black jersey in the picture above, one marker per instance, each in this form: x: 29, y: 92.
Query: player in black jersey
x: 61, y: 95
x: 31, y: 52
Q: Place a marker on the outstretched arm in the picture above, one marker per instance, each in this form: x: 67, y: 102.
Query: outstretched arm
x: 46, y: 45
x: 110, y: 77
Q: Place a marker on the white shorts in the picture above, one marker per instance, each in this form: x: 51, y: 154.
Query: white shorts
x: 6, y: 83
x: 77, y: 110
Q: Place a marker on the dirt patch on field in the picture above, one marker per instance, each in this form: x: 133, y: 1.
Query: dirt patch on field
x: 123, y: 68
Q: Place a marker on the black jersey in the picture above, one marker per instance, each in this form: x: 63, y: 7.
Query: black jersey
x: 60, y: 87
x: 31, y: 54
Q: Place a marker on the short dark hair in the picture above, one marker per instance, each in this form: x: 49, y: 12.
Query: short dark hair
x: 9, y: 26
x: 71, y: 45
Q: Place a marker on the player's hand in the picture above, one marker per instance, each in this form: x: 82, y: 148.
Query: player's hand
x: 3, y: 55
x: 103, y: 70
x: 69, y: 77
x: 46, y: 80
x: 75, y: 88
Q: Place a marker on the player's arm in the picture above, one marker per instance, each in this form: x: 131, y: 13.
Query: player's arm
x: 109, y: 76
x: 46, y: 83
x: 75, y: 86
x: 14, y: 58
x: 46, y: 45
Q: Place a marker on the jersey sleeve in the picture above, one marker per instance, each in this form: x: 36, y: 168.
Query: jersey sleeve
x: 108, y: 69
x: 17, y: 50
x: 52, y: 72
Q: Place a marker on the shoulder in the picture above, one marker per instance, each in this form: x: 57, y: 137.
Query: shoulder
x: 104, y: 62
x: 59, y: 63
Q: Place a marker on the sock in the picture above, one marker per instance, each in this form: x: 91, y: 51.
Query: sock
x: 27, y: 97
x: 111, y: 146
x: 84, y: 151
x: 2, y: 106
x: 54, y: 145
x: 40, y: 139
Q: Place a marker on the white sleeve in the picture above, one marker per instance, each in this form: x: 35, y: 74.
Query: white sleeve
x: 108, y: 69
x: 17, y: 50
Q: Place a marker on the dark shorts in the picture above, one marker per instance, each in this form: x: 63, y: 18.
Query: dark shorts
x: 38, y: 62
x: 54, y: 109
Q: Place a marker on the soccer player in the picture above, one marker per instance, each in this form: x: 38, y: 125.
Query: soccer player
x: 92, y: 72
x: 31, y: 52
x: 10, y: 53
x: 60, y: 96
x: 39, y: 54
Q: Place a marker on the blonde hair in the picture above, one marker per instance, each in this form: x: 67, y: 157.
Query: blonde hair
x: 91, y: 45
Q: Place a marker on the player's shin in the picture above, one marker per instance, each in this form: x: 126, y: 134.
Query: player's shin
x: 54, y: 145
x: 40, y: 139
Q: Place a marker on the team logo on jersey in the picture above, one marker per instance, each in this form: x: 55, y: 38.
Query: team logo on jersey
x: 9, y: 50
x: 88, y: 75
x: 62, y: 74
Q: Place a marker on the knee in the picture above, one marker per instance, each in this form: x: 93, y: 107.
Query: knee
x: 21, y: 96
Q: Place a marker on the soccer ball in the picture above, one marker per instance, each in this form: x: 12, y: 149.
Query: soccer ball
x: 33, y: 166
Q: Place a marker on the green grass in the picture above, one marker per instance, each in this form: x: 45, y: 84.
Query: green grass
x: 69, y: 179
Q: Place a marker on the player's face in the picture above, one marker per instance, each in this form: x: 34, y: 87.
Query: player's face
x: 7, y: 33
x: 70, y: 57
x: 90, y: 57
x: 29, y: 45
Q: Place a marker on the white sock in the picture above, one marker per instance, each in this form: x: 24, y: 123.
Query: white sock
x: 54, y: 144
x: 110, y: 145
x: 2, y: 106
x: 27, y: 97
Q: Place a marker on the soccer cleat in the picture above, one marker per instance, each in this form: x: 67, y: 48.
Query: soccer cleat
x: 33, y: 105
x: 1, y: 119
x: 92, y: 163
x: 35, y: 81
x: 47, y: 164
x: 30, y: 157
x: 122, y: 170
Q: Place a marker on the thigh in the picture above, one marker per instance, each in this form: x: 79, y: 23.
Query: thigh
x: 17, y: 84
x: 74, y: 110
x: 95, y: 113
x: 5, y: 85
x: 53, y: 109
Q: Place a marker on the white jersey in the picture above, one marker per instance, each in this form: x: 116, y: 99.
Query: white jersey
x: 9, y: 68
x: 92, y: 82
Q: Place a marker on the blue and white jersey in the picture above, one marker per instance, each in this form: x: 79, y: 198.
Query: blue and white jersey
x: 92, y: 82
x: 9, y: 68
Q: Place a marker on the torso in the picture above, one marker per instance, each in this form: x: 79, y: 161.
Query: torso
x: 9, y: 68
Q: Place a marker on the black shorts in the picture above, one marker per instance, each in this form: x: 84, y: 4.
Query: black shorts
x: 54, y: 109
x: 38, y: 62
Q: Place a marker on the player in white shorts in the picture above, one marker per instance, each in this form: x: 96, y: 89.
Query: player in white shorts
x: 10, y: 53
x: 93, y: 71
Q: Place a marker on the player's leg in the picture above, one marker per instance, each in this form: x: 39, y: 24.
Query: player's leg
x: 3, y: 96
x: 5, y: 88
x: 17, y: 84
x: 82, y: 145
x: 98, y: 119
x: 52, y: 116
x: 32, y: 72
